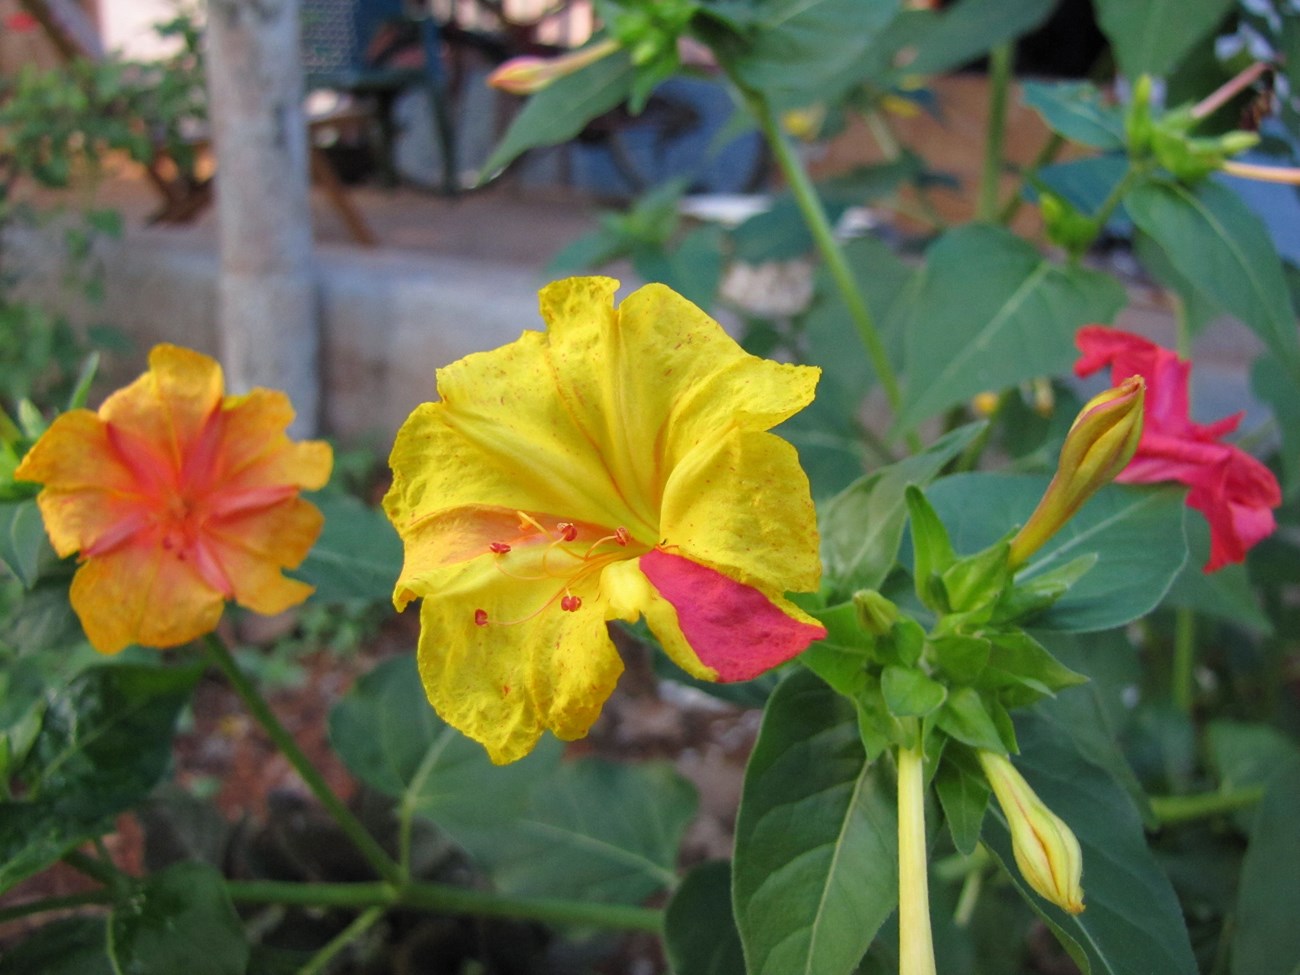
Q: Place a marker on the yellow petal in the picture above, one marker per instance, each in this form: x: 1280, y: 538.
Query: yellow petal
x: 505, y: 682
x: 649, y: 382
x: 741, y: 504
x: 145, y: 595
x: 170, y: 404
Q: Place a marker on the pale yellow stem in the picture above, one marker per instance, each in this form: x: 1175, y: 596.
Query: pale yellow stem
x: 1263, y: 174
x: 915, y: 942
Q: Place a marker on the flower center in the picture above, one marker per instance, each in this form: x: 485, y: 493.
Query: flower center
x: 570, y: 555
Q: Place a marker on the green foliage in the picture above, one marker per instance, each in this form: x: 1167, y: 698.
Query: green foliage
x: 700, y: 934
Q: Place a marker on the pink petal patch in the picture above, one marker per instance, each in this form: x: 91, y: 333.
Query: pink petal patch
x: 732, y: 627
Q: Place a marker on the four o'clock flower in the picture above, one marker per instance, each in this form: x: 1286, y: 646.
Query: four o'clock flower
x: 617, y: 465
x: 1235, y: 492
x: 177, y: 498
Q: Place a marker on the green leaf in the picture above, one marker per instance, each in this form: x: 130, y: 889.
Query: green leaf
x: 595, y: 831
x: 1212, y: 239
x: 71, y: 946
x: 104, y: 743
x: 1247, y: 755
x: 816, y: 864
x: 358, y: 555
x: 1267, y: 938
x: 1152, y: 36
x: 391, y: 739
x: 964, y: 796
x: 1076, y: 110
x: 805, y: 51
x: 561, y: 110
x: 1023, y: 670
x: 861, y: 527
x: 22, y: 540
x: 1016, y: 318
x: 909, y: 693
x: 1137, y: 533
x: 1224, y: 594
x: 965, y: 717
x: 1132, y: 923
x: 1274, y: 386
x: 700, y: 936
x: 178, y: 920
x: 967, y: 30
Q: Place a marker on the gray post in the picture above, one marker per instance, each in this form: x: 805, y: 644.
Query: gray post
x: 267, y: 296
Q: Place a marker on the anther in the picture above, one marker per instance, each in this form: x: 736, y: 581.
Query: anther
x: 500, y: 548
x: 621, y: 536
x: 571, y: 604
x: 568, y: 530
x: 480, y: 617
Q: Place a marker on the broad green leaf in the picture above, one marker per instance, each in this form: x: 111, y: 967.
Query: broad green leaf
x: 391, y: 739
x: 965, y: 717
x: 861, y: 527
x: 1132, y: 923
x: 178, y: 920
x: 1199, y: 309
x: 70, y: 946
x: 1212, y: 239
x: 964, y: 796
x: 1015, y: 319
x: 358, y: 555
x: 805, y: 51
x: 967, y: 30
x: 595, y: 831
x: 1076, y: 110
x: 1281, y: 392
x: 1225, y: 594
x: 816, y: 864
x: 1267, y: 939
x: 105, y: 741
x: 561, y: 110
x: 1247, y: 755
x: 1086, y: 183
x: 22, y: 540
x: 909, y: 693
x: 1152, y: 36
x: 700, y: 936
x: 1136, y: 532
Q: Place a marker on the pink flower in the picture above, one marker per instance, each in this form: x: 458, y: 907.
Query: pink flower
x: 1235, y: 492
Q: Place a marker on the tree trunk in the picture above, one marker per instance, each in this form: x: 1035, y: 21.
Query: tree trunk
x: 267, y: 295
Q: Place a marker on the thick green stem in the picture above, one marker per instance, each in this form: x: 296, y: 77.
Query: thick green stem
x: 363, y: 922
x: 1000, y: 62
x: 1171, y: 810
x: 261, y: 711
x: 104, y: 871
x: 449, y: 900
x: 819, y: 225
x: 55, y: 904
x: 915, y: 940
x: 1050, y: 150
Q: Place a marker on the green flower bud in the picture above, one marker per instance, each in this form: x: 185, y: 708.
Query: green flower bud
x: 1100, y: 444
x: 876, y: 614
x: 1045, y: 849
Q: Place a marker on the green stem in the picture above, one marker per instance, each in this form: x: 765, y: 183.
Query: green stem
x: 819, y: 225
x: 969, y: 898
x: 1051, y: 148
x: 1000, y: 60
x: 104, y: 871
x: 1183, y: 677
x: 1116, y: 196
x: 449, y: 900
x: 915, y: 940
x: 284, y: 741
x: 320, y: 961
x: 55, y: 904
x: 1171, y: 810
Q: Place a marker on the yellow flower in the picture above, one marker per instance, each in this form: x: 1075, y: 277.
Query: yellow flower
x: 615, y: 466
x: 178, y: 498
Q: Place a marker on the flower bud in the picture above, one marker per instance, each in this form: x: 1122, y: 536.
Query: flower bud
x: 1046, y: 850
x: 1100, y: 444
x: 876, y: 614
x: 528, y: 75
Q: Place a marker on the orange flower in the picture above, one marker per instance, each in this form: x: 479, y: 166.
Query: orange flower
x: 178, y: 498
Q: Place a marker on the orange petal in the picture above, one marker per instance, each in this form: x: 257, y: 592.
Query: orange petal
x: 256, y: 451
x: 169, y: 405
x: 143, y: 594
x: 253, y: 547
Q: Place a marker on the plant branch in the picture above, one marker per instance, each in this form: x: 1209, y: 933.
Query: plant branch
x: 448, y: 899
x: 1171, y: 810
x: 1000, y: 62
x: 1216, y: 99
x: 915, y: 939
x: 1049, y: 151
x: 65, y: 902
x: 261, y: 711
x: 363, y: 922
x: 819, y: 225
